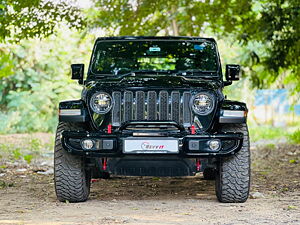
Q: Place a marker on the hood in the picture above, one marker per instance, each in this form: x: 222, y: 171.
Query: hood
x: 159, y: 81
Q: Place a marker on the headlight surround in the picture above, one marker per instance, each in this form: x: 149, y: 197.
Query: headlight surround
x: 203, y: 103
x: 101, y: 102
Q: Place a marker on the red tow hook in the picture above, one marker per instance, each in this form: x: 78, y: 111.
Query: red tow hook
x: 193, y: 129
x: 104, y: 163
x: 198, y: 165
x: 109, y: 128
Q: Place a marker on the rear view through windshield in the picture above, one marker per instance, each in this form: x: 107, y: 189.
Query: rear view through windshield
x: 120, y: 57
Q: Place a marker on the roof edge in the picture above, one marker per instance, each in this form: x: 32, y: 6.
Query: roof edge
x: 154, y: 37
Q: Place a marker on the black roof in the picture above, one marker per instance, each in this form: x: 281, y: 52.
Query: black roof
x: 156, y: 38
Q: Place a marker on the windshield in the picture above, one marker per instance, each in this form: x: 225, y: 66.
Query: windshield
x: 121, y: 57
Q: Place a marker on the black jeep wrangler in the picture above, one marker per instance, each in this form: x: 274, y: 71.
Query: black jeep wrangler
x: 153, y: 106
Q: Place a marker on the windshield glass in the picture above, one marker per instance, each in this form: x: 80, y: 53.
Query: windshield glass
x: 121, y: 57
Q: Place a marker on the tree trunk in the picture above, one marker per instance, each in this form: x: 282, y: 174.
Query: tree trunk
x: 174, y: 22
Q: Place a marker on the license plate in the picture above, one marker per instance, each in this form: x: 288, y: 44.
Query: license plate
x: 151, y: 146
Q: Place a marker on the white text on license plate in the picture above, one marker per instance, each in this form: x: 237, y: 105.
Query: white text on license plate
x: 151, y: 146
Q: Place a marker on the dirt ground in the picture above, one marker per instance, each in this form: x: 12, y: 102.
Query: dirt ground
x: 27, y: 195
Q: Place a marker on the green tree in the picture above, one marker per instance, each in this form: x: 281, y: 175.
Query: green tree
x: 171, y: 17
x: 23, y: 19
x: 41, y: 79
x: 268, y: 30
x: 276, y: 28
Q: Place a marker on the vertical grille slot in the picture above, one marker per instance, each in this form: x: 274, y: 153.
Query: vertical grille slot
x: 186, y: 109
x: 151, y: 105
x: 116, y: 113
x: 163, y: 105
x: 175, y: 106
x: 128, y: 102
x: 140, y: 105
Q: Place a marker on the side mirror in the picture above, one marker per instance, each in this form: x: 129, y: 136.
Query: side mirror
x: 77, y: 72
x: 232, y: 72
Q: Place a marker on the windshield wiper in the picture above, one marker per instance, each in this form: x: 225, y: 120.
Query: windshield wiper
x: 202, y: 73
x: 134, y: 72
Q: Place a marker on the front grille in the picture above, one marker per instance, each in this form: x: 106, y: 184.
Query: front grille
x: 151, y: 105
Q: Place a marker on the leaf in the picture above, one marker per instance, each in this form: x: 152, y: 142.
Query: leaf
x: 28, y: 158
x: 291, y: 207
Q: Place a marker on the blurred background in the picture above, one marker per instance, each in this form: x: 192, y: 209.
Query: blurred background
x: 40, y: 39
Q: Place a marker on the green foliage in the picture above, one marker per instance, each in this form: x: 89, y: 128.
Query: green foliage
x: 29, y: 98
x: 35, y: 145
x: 27, y: 150
x: 16, y: 153
x: 295, y: 137
x: 2, y: 184
x: 35, y: 18
x: 270, y: 146
x: 292, y: 207
x: 177, y: 17
x: 277, y: 25
x: 4, y: 148
x: 266, y: 133
x: 6, y: 63
x: 28, y: 158
x: 276, y: 29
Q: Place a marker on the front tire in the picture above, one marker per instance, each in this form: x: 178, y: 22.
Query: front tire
x: 72, y: 180
x: 233, y: 172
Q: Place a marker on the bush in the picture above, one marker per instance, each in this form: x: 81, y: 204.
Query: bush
x: 41, y: 79
x: 295, y: 137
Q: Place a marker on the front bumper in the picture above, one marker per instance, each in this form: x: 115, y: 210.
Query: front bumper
x: 189, y: 146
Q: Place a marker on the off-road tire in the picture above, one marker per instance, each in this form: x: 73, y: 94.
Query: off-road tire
x: 233, y: 172
x: 72, y: 180
x: 209, y: 174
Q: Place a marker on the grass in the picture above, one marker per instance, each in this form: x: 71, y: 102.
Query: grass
x: 30, y: 149
x: 290, y: 132
x: 295, y: 137
x: 267, y: 133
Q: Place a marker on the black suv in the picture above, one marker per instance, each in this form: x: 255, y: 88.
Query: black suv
x: 153, y: 106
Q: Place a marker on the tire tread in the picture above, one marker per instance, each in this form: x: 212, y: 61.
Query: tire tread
x: 72, y: 181
x: 233, y: 173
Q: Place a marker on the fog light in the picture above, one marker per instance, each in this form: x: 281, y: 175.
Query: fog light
x: 87, y: 144
x: 214, y: 145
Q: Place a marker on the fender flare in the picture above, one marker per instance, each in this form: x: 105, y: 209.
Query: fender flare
x: 233, y: 112
x: 73, y: 111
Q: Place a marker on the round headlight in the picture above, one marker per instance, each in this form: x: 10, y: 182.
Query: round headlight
x: 101, y: 102
x: 203, y: 103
